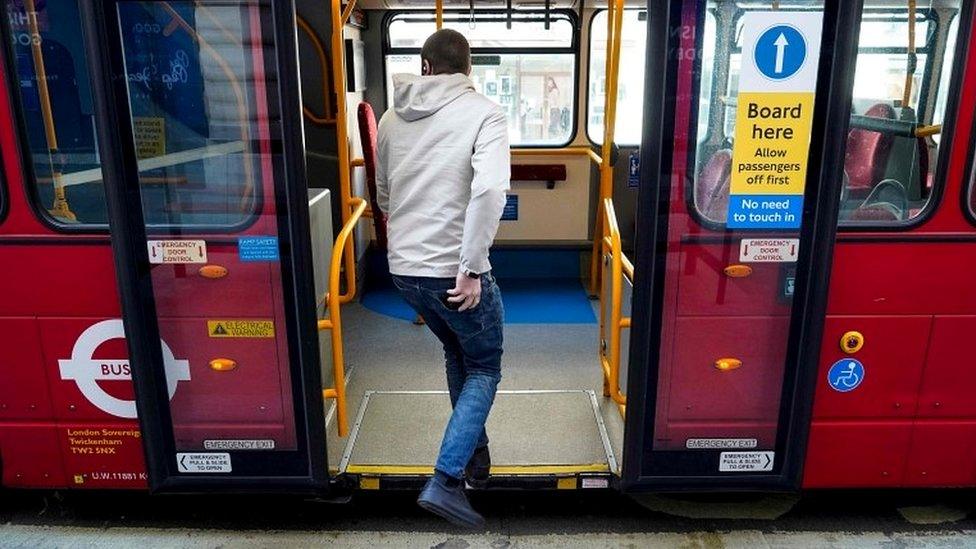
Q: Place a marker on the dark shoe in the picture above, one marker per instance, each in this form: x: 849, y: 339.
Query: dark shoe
x: 450, y: 503
x: 478, y: 469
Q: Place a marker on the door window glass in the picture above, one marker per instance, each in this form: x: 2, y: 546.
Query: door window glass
x: 893, y: 145
x: 207, y: 131
x: 528, y: 70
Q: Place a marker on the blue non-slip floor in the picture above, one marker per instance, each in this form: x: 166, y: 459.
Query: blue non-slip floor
x: 539, y: 286
x: 527, y: 301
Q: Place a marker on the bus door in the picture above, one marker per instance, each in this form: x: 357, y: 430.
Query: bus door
x: 200, y: 137
x: 745, y: 118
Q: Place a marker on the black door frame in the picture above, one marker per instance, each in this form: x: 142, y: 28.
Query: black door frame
x: 838, y: 53
x: 305, y: 469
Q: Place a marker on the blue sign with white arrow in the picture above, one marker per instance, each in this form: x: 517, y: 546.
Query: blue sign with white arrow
x: 780, y: 52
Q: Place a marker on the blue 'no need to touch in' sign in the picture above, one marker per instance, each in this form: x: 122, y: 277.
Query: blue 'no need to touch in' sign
x: 780, y: 52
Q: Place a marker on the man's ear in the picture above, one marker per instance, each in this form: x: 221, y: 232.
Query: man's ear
x: 425, y: 68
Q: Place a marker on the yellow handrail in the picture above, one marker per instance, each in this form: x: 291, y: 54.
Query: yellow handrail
x: 334, y: 322
x: 324, y: 67
x: 615, y: 15
x: 339, y: 17
x: 564, y: 151
x: 620, y: 266
x: 439, y: 14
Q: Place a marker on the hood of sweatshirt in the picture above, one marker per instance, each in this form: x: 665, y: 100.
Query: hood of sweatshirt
x: 416, y: 97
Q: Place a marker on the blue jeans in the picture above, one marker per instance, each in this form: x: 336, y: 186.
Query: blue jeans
x: 472, y: 342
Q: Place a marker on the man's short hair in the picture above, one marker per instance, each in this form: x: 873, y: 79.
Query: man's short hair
x: 448, y: 52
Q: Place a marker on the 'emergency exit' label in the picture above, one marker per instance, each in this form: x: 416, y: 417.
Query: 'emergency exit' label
x: 217, y: 462
x: 736, y: 462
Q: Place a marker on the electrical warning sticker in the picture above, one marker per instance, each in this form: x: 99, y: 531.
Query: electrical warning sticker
x: 203, y: 463
x: 738, y: 462
x: 177, y: 251
x: 240, y: 328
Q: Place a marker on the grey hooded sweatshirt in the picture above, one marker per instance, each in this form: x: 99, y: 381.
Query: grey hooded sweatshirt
x: 441, y: 175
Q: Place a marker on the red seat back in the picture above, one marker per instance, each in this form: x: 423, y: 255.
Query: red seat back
x: 867, y: 151
x: 367, y: 133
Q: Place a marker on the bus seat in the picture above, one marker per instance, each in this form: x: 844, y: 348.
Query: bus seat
x: 712, y: 186
x: 908, y: 160
x: 367, y: 134
x: 888, y: 201
x: 868, y: 151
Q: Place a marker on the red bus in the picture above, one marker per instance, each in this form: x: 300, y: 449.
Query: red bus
x: 735, y: 254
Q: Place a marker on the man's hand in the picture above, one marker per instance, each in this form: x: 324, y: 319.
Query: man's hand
x: 466, y: 291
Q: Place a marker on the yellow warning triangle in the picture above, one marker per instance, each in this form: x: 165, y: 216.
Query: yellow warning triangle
x: 219, y: 330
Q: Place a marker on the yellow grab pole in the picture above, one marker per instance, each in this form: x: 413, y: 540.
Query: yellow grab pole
x: 440, y: 14
x: 910, y: 69
x: 612, y: 372
x: 615, y: 13
x: 334, y: 322
x: 60, y: 206
x: 342, y: 141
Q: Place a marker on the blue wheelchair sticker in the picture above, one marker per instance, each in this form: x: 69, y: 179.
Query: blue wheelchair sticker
x: 845, y: 375
x: 780, y: 52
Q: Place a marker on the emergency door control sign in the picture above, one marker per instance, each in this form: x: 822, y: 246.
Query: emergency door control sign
x: 177, y: 251
x: 203, y: 462
x: 774, y: 117
x: 768, y: 250
x: 738, y: 462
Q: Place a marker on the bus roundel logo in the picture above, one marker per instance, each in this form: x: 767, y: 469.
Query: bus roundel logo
x: 87, y: 371
x: 845, y: 375
x: 780, y: 52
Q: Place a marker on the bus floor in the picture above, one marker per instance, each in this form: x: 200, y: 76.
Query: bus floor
x: 550, y: 419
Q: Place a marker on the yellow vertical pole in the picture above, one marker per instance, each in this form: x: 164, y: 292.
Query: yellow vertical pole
x: 342, y: 142
x: 906, y: 100
x: 60, y: 206
x: 440, y: 14
x: 615, y: 13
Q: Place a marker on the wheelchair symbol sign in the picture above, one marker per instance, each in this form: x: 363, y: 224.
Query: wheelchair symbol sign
x: 845, y: 375
x: 780, y: 52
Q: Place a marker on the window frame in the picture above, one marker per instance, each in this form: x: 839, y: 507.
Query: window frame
x: 969, y: 178
x: 589, y: 77
x: 29, y: 175
x: 462, y: 15
x: 939, y: 175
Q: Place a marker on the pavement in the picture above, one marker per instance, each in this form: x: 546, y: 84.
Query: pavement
x: 836, y: 519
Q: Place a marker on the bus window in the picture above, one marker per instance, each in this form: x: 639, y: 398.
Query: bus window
x: 62, y: 155
x: 630, y: 91
x: 528, y: 70
x: 890, y: 165
x: 191, y: 109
